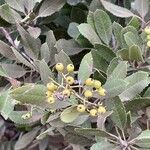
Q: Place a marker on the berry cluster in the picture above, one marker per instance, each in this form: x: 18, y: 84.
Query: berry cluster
x: 84, y: 93
x: 147, y: 31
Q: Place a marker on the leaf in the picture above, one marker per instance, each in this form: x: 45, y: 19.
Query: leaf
x: 85, y: 69
x: 73, y: 30
x: 115, y: 87
x: 132, y: 39
x: 90, y: 20
x: 137, y: 82
x: 119, y: 116
x: 117, y: 32
x: 142, y: 7
x: 103, y: 25
x: 34, y: 31
x: 88, y: 32
x: 6, y: 51
x: 24, y: 141
x: 13, y: 70
x: 2, y: 72
x: 120, y: 71
x: 44, y: 71
x: 9, y: 14
x: 143, y: 140
x: 117, y: 10
x: 135, y: 53
x: 69, y: 114
x: 21, y: 58
x: 106, y: 52
x: 16, y: 4
x: 134, y: 22
x: 93, y: 132
x: 98, y: 61
x: 137, y: 103
x: 102, y: 145
x: 123, y: 54
x: 30, y: 94
x: 49, y: 7
x: 70, y: 47
x: 32, y: 45
x: 147, y: 93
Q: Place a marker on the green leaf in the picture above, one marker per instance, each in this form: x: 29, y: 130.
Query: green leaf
x: 88, y: 32
x: 9, y: 14
x: 103, y: 25
x: 73, y: 30
x: 138, y: 103
x: 117, y: 10
x: 50, y: 7
x: 6, y: 51
x: 93, y: 132
x: 117, y: 32
x: 147, y: 93
x: 142, y: 7
x: 30, y: 94
x: 120, y: 71
x: 143, y: 140
x: 114, y: 87
x: 70, y: 47
x: 132, y: 39
x: 90, y: 19
x: 69, y: 114
x: 134, y: 22
x: 85, y: 69
x: 44, y: 71
x: 106, y: 52
x: 123, y: 53
x: 13, y: 70
x: 21, y: 58
x: 135, y: 53
x: 24, y: 141
x: 103, y: 145
x: 2, y: 72
x: 137, y: 82
x: 32, y: 45
x: 119, y: 116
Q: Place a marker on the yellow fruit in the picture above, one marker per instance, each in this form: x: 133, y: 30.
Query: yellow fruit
x: 48, y: 93
x: 93, y: 112
x: 89, y: 82
x: 70, y: 68
x: 26, y: 116
x: 59, y: 67
x: 81, y: 108
x: 97, y: 84
x: 102, y: 92
x: 147, y: 30
x: 51, y: 86
x: 148, y: 43
x: 51, y: 100
x: 148, y: 37
x: 101, y: 109
x: 69, y: 80
x: 66, y: 92
x: 88, y: 93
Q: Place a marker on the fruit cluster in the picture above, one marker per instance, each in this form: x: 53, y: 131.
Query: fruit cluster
x: 147, y: 31
x: 66, y: 89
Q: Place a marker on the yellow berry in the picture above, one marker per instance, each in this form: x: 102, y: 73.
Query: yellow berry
x: 59, y: 67
x: 148, y: 43
x: 97, y: 84
x: 69, y: 80
x: 70, y: 68
x: 93, y: 112
x: 148, y: 37
x: 49, y: 93
x: 147, y: 30
x: 26, y: 116
x: 101, y: 109
x: 51, y: 86
x: 66, y: 92
x: 88, y: 93
x: 102, y: 92
x: 81, y: 108
x: 89, y: 82
x: 51, y: 100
